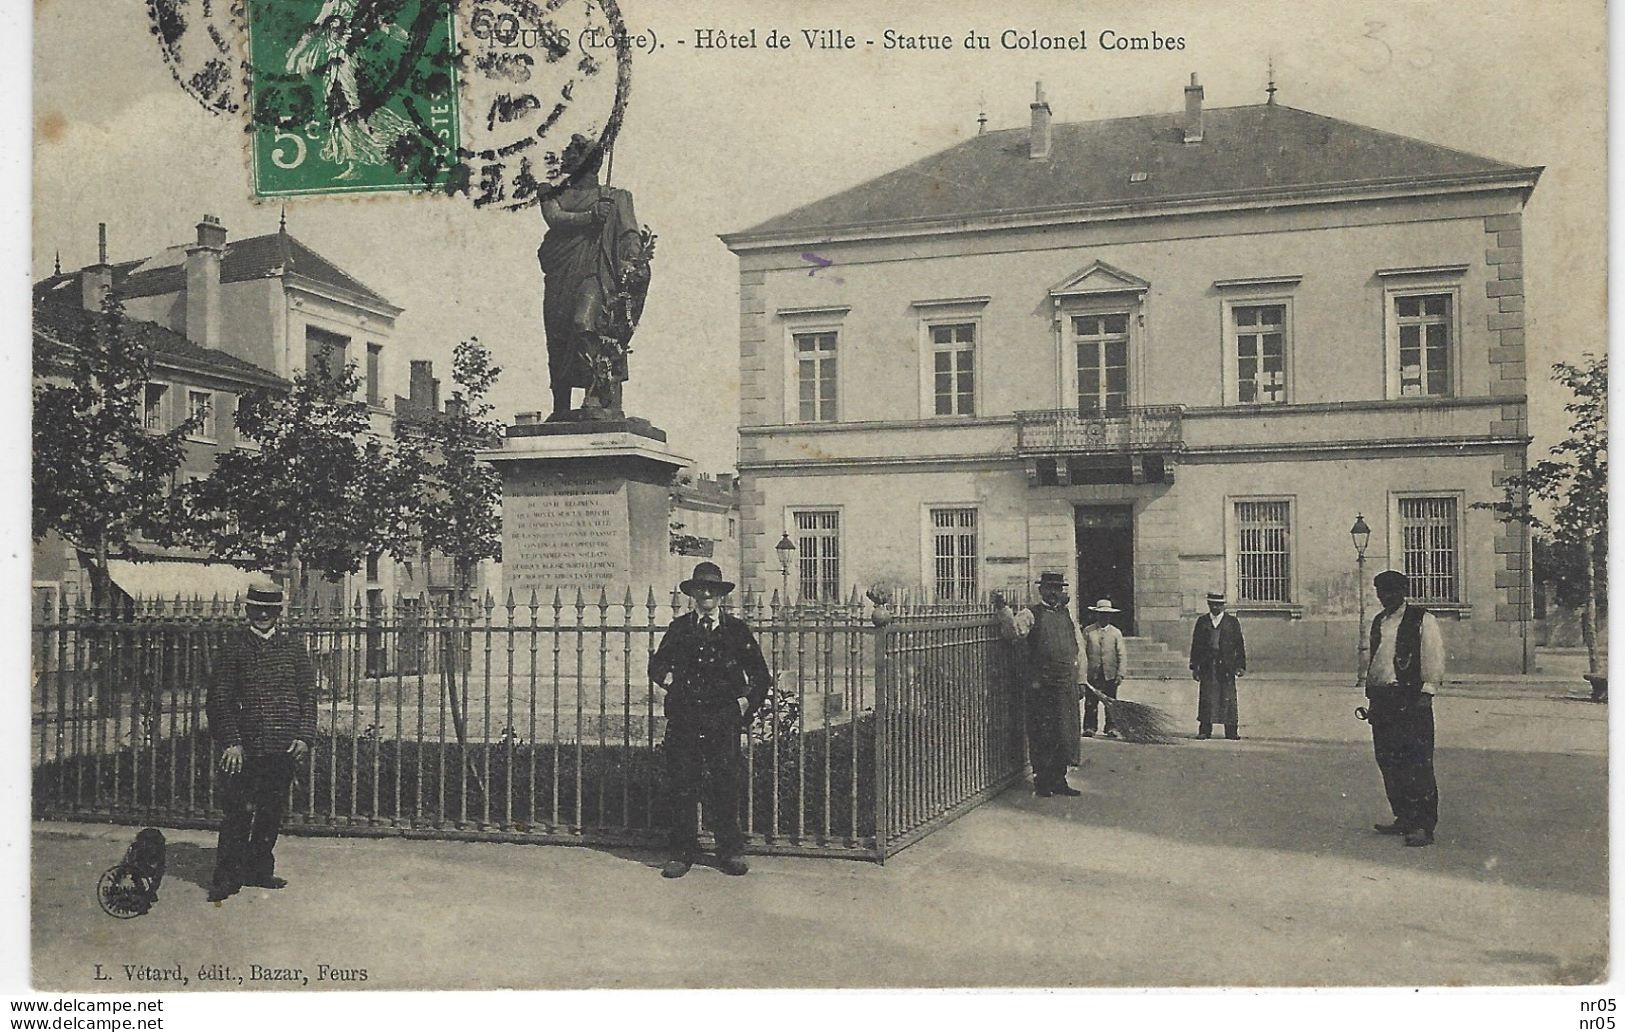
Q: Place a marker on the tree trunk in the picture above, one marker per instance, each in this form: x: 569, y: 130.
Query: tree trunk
x: 453, y: 658
x: 1588, y: 618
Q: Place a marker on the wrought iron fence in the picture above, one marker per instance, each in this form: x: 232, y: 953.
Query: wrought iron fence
x: 534, y: 721
x: 1149, y: 428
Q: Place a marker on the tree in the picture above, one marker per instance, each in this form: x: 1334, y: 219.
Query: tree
x: 458, y: 509
x: 1574, y: 484
x: 102, y: 479
x: 319, y: 492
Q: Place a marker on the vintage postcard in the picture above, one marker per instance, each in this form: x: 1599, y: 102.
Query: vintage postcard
x: 1035, y: 495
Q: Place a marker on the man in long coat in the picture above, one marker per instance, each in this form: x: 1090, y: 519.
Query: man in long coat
x: 1050, y: 646
x: 1218, y: 657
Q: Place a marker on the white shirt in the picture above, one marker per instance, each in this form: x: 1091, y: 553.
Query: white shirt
x: 264, y: 635
x: 1382, y: 661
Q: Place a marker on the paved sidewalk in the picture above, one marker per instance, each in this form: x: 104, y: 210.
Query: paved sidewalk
x: 1201, y: 863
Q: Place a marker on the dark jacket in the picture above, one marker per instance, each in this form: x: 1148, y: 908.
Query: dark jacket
x: 709, y: 670
x: 262, y: 694
x: 1232, y: 654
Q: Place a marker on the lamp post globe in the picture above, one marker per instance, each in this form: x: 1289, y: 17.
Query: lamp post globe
x: 1360, y: 534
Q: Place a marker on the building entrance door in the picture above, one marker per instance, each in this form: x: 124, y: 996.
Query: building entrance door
x: 1105, y: 539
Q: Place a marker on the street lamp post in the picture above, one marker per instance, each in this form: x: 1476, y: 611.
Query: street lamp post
x: 1361, y: 535
x: 786, y: 550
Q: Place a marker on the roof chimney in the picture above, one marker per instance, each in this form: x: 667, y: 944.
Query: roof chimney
x: 1038, y: 142
x: 203, y: 302
x: 96, y: 281
x: 1193, y: 111
x: 422, y: 387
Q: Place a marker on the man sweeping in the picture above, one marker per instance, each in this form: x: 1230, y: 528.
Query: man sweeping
x: 1051, y: 681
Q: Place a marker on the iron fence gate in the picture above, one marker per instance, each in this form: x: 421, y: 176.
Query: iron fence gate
x: 534, y: 722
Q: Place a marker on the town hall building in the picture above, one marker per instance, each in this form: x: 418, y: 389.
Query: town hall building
x: 1165, y: 354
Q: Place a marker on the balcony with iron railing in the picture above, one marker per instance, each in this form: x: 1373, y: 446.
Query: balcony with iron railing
x: 1150, y: 429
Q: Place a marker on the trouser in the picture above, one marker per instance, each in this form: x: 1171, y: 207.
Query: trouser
x: 1047, y: 747
x: 1091, y: 705
x: 1402, y: 737
x: 254, y: 801
x: 702, y: 759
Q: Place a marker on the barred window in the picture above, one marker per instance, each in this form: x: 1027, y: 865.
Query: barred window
x: 953, y: 357
x: 1423, y: 322
x: 1428, y: 541
x: 1102, y: 348
x: 954, y: 554
x: 152, y: 406
x: 1260, y: 353
x: 1264, y: 551
x: 815, y: 376
x: 818, y: 548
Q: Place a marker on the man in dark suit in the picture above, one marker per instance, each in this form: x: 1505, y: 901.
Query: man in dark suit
x: 1218, y: 657
x: 262, y: 713
x: 715, y: 680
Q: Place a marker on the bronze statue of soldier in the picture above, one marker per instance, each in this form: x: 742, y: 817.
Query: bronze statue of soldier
x: 595, y: 275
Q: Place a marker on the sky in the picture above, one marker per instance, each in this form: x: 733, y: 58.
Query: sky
x: 716, y: 141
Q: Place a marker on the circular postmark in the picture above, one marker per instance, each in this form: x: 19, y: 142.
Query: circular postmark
x: 199, y: 43
x: 534, y: 75
x: 461, y: 97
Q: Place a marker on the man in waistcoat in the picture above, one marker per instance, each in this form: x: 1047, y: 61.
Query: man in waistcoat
x: 1407, y: 665
x: 1051, y: 682
x: 262, y: 714
x: 715, y: 679
x: 1218, y: 657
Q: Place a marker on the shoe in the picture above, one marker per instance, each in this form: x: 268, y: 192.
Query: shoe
x: 1395, y: 828
x: 1204, y: 734
x: 270, y: 882
x: 1043, y: 793
x: 1088, y: 733
x: 1066, y: 790
x: 1108, y: 734
x: 1419, y: 837
x: 734, y: 865
x: 222, y: 891
x: 1232, y: 738
x: 675, y: 868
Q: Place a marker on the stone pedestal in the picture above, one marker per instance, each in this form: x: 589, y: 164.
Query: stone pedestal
x: 586, y: 506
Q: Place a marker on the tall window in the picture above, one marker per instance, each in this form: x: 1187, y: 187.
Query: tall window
x: 1423, y: 323
x: 815, y: 376
x: 954, y: 554
x: 200, y: 406
x: 1264, y: 551
x: 325, y: 349
x: 1260, y: 353
x: 1102, y: 347
x: 818, y: 547
x: 1428, y: 537
x: 375, y: 374
x: 152, y: 406
x: 953, y: 358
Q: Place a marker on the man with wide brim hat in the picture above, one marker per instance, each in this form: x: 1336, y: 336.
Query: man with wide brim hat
x: 1047, y: 643
x: 1218, y: 657
x: 715, y: 679
x: 262, y: 714
x: 1106, y: 662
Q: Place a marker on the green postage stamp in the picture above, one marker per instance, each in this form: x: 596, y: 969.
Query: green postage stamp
x: 351, y: 97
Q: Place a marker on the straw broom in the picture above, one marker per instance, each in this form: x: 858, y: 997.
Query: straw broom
x: 1136, y: 721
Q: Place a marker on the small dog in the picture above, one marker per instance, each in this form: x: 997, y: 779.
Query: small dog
x: 130, y: 888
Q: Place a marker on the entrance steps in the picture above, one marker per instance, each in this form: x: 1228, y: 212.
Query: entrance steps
x: 1148, y: 657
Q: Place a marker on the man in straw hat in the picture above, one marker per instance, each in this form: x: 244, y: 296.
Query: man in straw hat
x: 262, y: 713
x: 1218, y: 657
x: 1407, y: 664
x: 1107, y: 657
x: 1051, y: 680
x: 715, y: 680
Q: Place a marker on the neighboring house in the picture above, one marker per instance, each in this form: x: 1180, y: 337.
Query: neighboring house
x: 705, y: 518
x: 222, y: 316
x: 1165, y: 354
x: 186, y: 378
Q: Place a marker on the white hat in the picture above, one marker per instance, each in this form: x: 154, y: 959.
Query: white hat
x: 1104, y: 606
